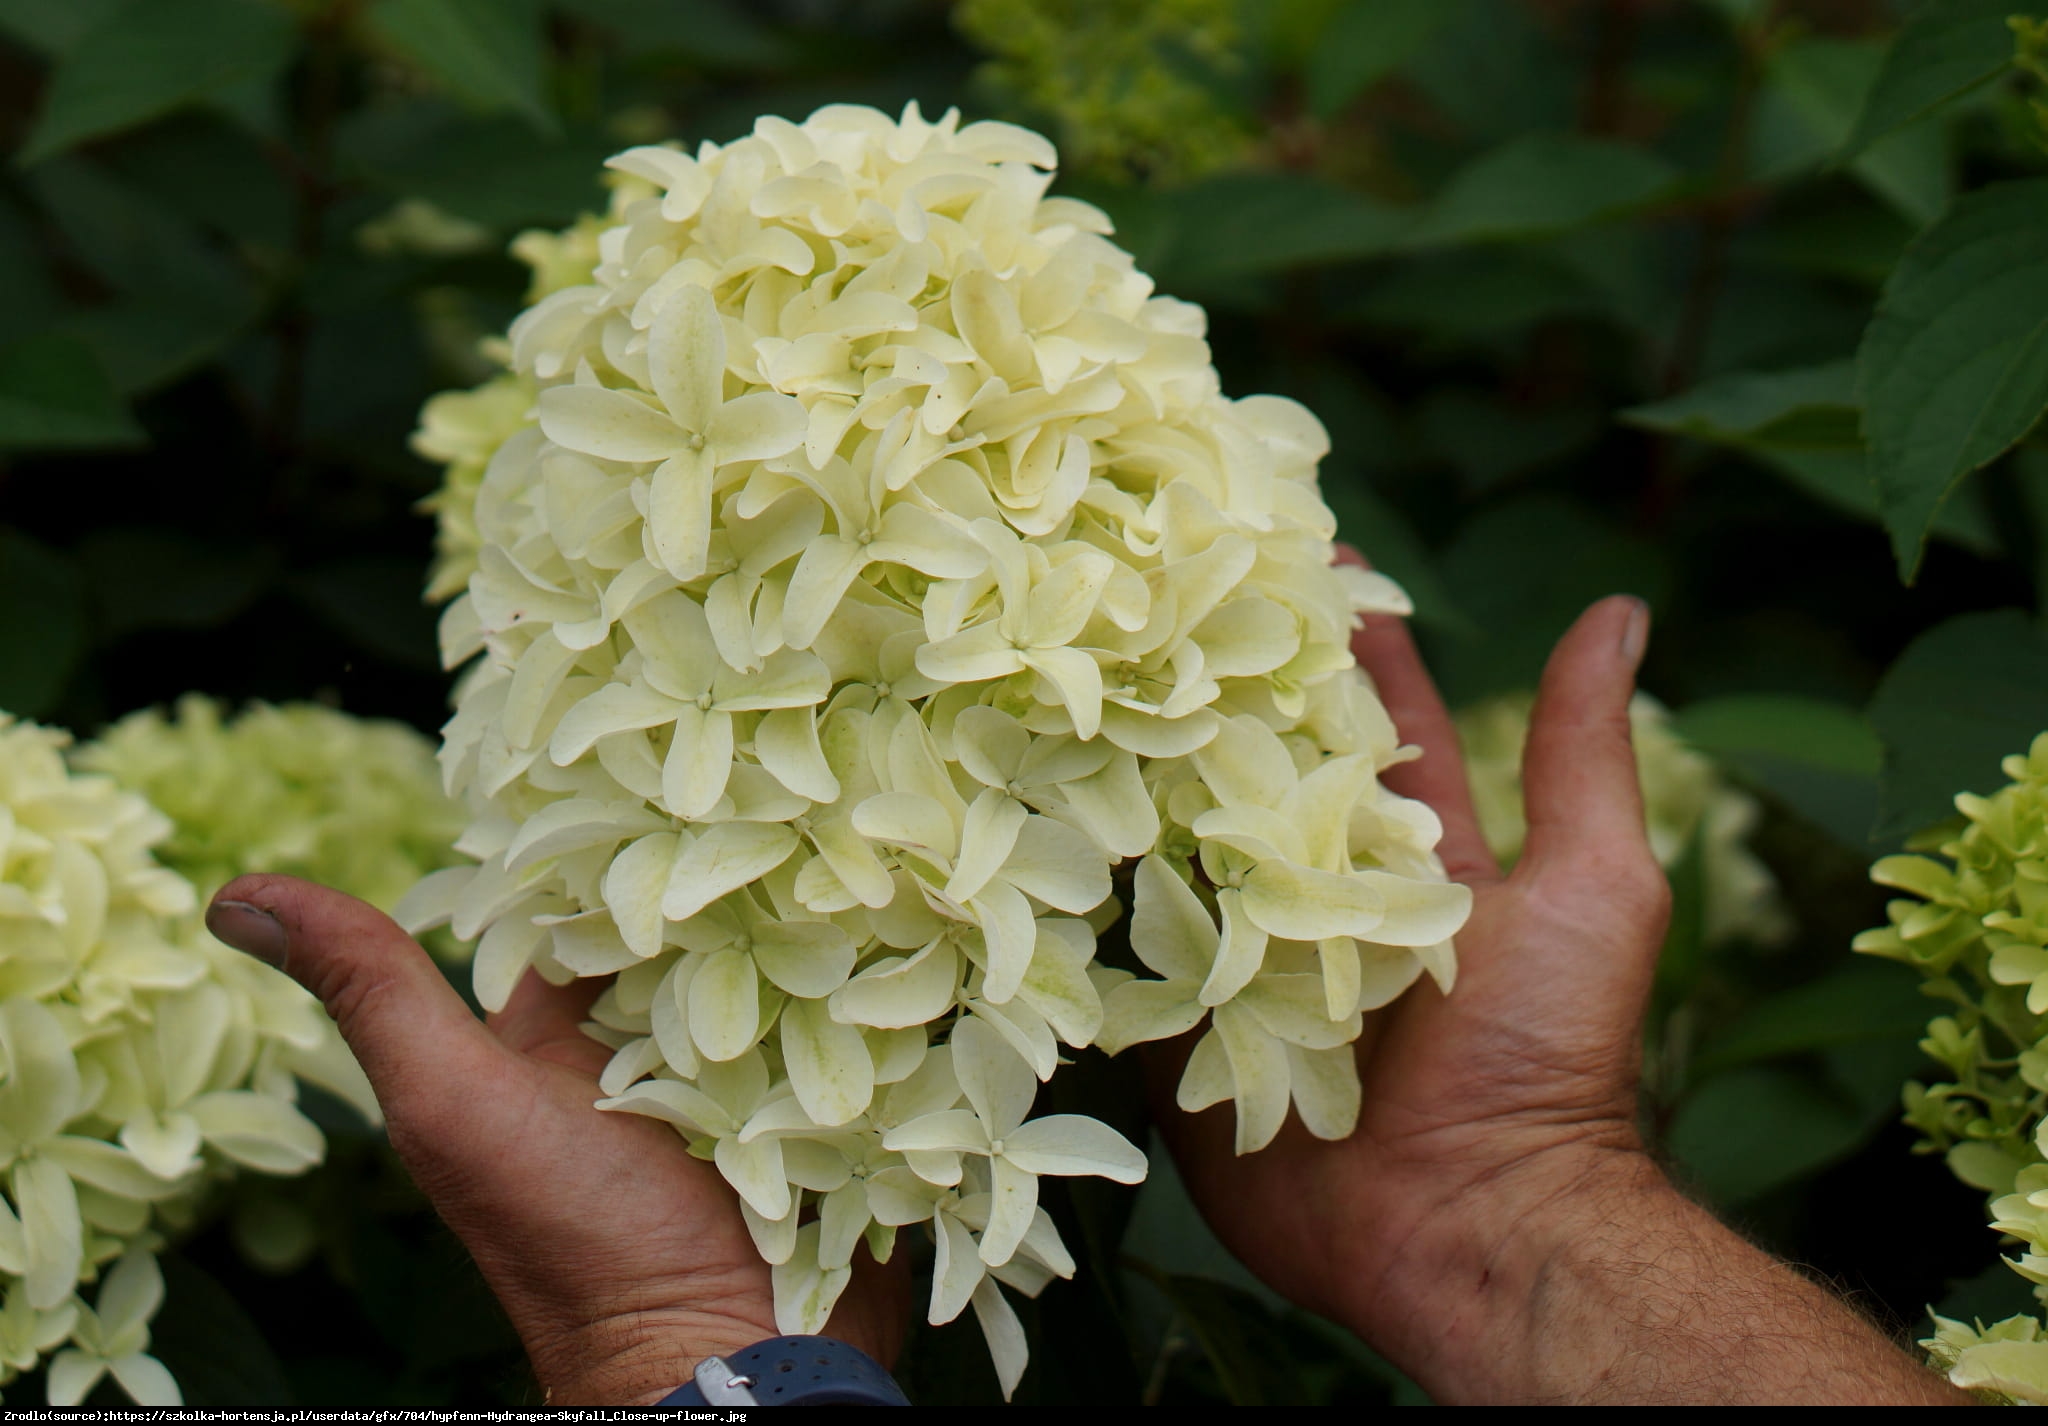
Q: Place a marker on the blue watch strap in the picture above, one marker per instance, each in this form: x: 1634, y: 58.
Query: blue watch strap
x: 798, y: 1371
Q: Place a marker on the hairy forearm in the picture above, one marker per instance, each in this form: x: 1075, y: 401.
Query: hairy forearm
x: 1609, y: 1286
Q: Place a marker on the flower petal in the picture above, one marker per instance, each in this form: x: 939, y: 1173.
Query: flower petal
x: 610, y: 424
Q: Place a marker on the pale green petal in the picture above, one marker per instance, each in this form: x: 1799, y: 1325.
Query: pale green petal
x: 129, y: 1295
x: 1076, y: 682
x: 1300, y: 904
x: 1073, y: 1144
x: 971, y: 656
x: 786, y: 742
x: 686, y: 346
x: 699, y: 762
x: 928, y: 543
x: 1247, y: 637
x: 828, y: 1063
x: 1057, y: 985
x: 1142, y: 1010
x: 956, y: 1272
x: 897, y: 992
x: 722, y: 859
x: 614, y: 708
x: 993, y: 821
x: 1171, y: 931
x: 810, y: 959
x: 1384, y: 972
x: 1260, y: 1075
x: 842, y: 1217
x: 48, y: 1205
x: 1326, y: 1090
x: 673, y: 1102
x: 758, y: 426
x: 633, y: 887
x: 948, y: 1130
x: 1010, y: 932
x: 1008, y: 1347
x: 1294, y: 1008
x: 1416, y: 913
x: 725, y: 1005
x: 679, y: 512
x: 1058, y: 865
x: 828, y: 566
x: 610, y: 424
x: 1062, y: 602
x: 1240, y: 951
x: 1113, y: 806
x: 990, y: 745
x: 904, y: 819
x: 755, y: 1172
x: 266, y: 1134
x: 1013, y: 1203
x: 996, y: 1082
x: 805, y: 1291
x: 789, y: 678
x: 71, y: 1375
x: 42, y: 1092
x: 166, y: 1147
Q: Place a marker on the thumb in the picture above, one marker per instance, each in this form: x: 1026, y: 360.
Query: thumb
x: 413, y: 1035
x: 1579, y: 783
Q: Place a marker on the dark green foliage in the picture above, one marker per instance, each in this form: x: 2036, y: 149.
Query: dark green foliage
x: 1701, y: 301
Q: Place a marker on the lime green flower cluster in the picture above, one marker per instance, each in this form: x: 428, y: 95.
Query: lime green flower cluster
x: 141, y: 1062
x: 1105, y: 71
x: 353, y: 803
x: 1685, y: 799
x: 1975, y: 923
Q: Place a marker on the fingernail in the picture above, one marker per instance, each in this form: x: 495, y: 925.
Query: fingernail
x: 249, y: 929
x: 1635, y: 635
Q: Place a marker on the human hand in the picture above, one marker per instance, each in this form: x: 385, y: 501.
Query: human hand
x: 621, y: 1260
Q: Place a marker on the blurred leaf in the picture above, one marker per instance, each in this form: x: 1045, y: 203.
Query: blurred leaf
x: 32, y: 298
x: 1862, y: 1003
x: 1243, y: 223
x: 54, y: 28
x: 1364, y: 42
x: 1855, y: 241
x: 150, y: 57
x: 1464, y: 297
x: 1820, y: 759
x: 497, y: 172
x: 1379, y: 532
x: 1815, y: 88
x: 489, y: 53
x: 1523, y: 571
x: 1488, y: 440
x: 2030, y: 474
x: 1945, y: 49
x: 1807, y: 406
x: 176, y: 298
x: 1498, y: 71
x: 376, y: 602
x: 155, y: 579
x: 54, y: 394
x: 213, y: 173
x: 1539, y: 185
x: 1963, y: 696
x: 1954, y: 368
x: 1873, y: 1072
x: 719, y: 34
x: 42, y: 624
x: 1745, y: 1132
x: 1252, y: 1360
x: 1842, y: 479
x: 214, y: 1348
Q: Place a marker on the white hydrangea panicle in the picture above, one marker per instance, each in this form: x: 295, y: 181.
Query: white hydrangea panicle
x: 140, y: 1062
x: 876, y: 588
x: 1686, y: 800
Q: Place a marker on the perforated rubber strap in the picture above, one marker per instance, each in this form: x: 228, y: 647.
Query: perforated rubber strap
x: 790, y: 1371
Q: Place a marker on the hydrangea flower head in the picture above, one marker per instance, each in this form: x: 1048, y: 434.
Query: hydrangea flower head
x: 140, y: 1061
x: 1685, y: 800
x: 303, y: 789
x: 880, y: 602
x: 1974, y: 921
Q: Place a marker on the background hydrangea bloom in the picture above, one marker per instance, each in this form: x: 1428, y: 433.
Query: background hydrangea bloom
x: 143, y: 1061
x: 353, y: 803
x: 1685, y: 798
x: 1975, y: 923
x: 879, y: 582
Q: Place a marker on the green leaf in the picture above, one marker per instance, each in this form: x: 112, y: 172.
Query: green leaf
x: 497, y: 172
x: 1963, y: 696
x: 54, y: 394
x: 1383, y: 535
x: 1856, y: 241
x: 489, y: 53
x: 1540, y: 185
x: 376, y: 602
x: 1841, y: 478
x: 1867, y: 1002
x: 150, y: 57
x: 177, y: 298
x: 1252, y: 1360
x: 1366, y: 41
x: 1807, y: 406
x: 1473, y: 295
x: 1814, y: 89
x: 1523, y: 571
x: 42, y: 624
x: 1945, y: 49
x: 53, y: 29
x: 1954, y: 368
x: 1748, y: 1131
x: 155, y: 579
x: 1489, y: 440
x: 1819, y: 758
x: 1246, y: 223
x: 216, y: 1350
x: 721, y: 35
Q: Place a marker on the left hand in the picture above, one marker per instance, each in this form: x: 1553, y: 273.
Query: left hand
x: 621, y: 1260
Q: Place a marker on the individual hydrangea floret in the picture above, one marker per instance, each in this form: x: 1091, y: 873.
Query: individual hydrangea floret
x: 143, y: 1062
x: 879, y: 602
x: 303, y: 789
x: 1686, y: 801
x: 1974, y: 922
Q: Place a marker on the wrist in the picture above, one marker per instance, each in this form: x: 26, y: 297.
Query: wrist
x: 1467, y: 1308
x: 635, y: 1358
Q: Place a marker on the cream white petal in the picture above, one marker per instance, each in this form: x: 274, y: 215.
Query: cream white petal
x: 723, y: 858
x: 686, y: 358
x: 610, y: 424
x: 725, y: 1005
x: 755, y: 1172
x: 679, y: 511
x: 1260, y: 1075
x: 266, y: 1134
x: 1074, y: 1144
x: 1007, y: 1344
x: 1417, y: 913
x: 828, y: 1063
x: 1300, y: 904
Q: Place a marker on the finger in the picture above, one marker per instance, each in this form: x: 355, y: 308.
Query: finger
x: 1579, y: 782
x: 407, y: 1027
x: 1385, y: 651
x: 546, y: 1022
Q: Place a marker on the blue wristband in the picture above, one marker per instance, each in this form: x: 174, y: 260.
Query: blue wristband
x: 790, y: 1371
